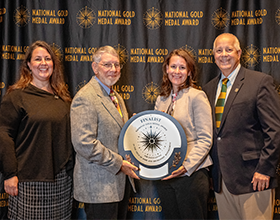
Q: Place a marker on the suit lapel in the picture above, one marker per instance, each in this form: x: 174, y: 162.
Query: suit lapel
x: 233, y: 93
x: 212, y: 98
x: 107, y: 103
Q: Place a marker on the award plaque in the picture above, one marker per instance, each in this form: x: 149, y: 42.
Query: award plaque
x: 154, y: 142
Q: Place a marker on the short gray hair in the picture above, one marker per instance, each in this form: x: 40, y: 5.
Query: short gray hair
x: 96, y: 57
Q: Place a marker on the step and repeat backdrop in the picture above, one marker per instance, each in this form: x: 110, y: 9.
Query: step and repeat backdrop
x: 143, y: 32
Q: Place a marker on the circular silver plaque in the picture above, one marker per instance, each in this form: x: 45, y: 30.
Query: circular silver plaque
x: 155, y: 142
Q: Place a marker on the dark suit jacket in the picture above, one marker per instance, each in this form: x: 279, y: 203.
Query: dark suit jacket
x: 248, y: 139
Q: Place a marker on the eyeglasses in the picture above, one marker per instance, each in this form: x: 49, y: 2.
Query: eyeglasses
x: 109, y: 66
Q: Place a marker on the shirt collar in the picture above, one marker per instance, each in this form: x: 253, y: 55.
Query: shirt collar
x: 232, y: 75
x: 107, y: 89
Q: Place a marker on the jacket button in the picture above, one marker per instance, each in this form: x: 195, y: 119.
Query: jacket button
x: 219, y: 138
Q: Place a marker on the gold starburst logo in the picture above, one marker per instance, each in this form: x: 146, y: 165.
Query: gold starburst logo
x: 190, y: 50
x: 250, y: 56
x: 220, y: 19
x: 21, y: 16
x: 86, y: 17
x: 277, y: 16
x: 153, y: 18
x: 57, y: 50
x: 122, y: 53
x: 150, y: 92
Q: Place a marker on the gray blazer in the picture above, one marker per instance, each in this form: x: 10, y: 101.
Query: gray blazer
x: 95, y: 128
x: 192, y: 110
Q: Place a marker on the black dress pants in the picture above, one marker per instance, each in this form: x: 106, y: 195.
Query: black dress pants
x: 185, y: 197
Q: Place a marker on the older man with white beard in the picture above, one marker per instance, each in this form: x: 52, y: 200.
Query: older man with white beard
x: 98, y: 114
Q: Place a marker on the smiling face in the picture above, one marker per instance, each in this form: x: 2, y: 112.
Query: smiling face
x: 177, y: 71
x: 108, y: 70
x: 227, y: 56
x: 41, y: 65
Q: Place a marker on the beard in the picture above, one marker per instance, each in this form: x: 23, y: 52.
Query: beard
x: 110, y: 81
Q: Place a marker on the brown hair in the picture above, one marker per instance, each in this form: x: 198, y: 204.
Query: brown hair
x: 57, y: 81
x: 166, y: 85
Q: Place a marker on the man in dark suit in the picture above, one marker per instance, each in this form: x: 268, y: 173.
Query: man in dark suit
x: 100, y: 173
x: 246, y: 140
